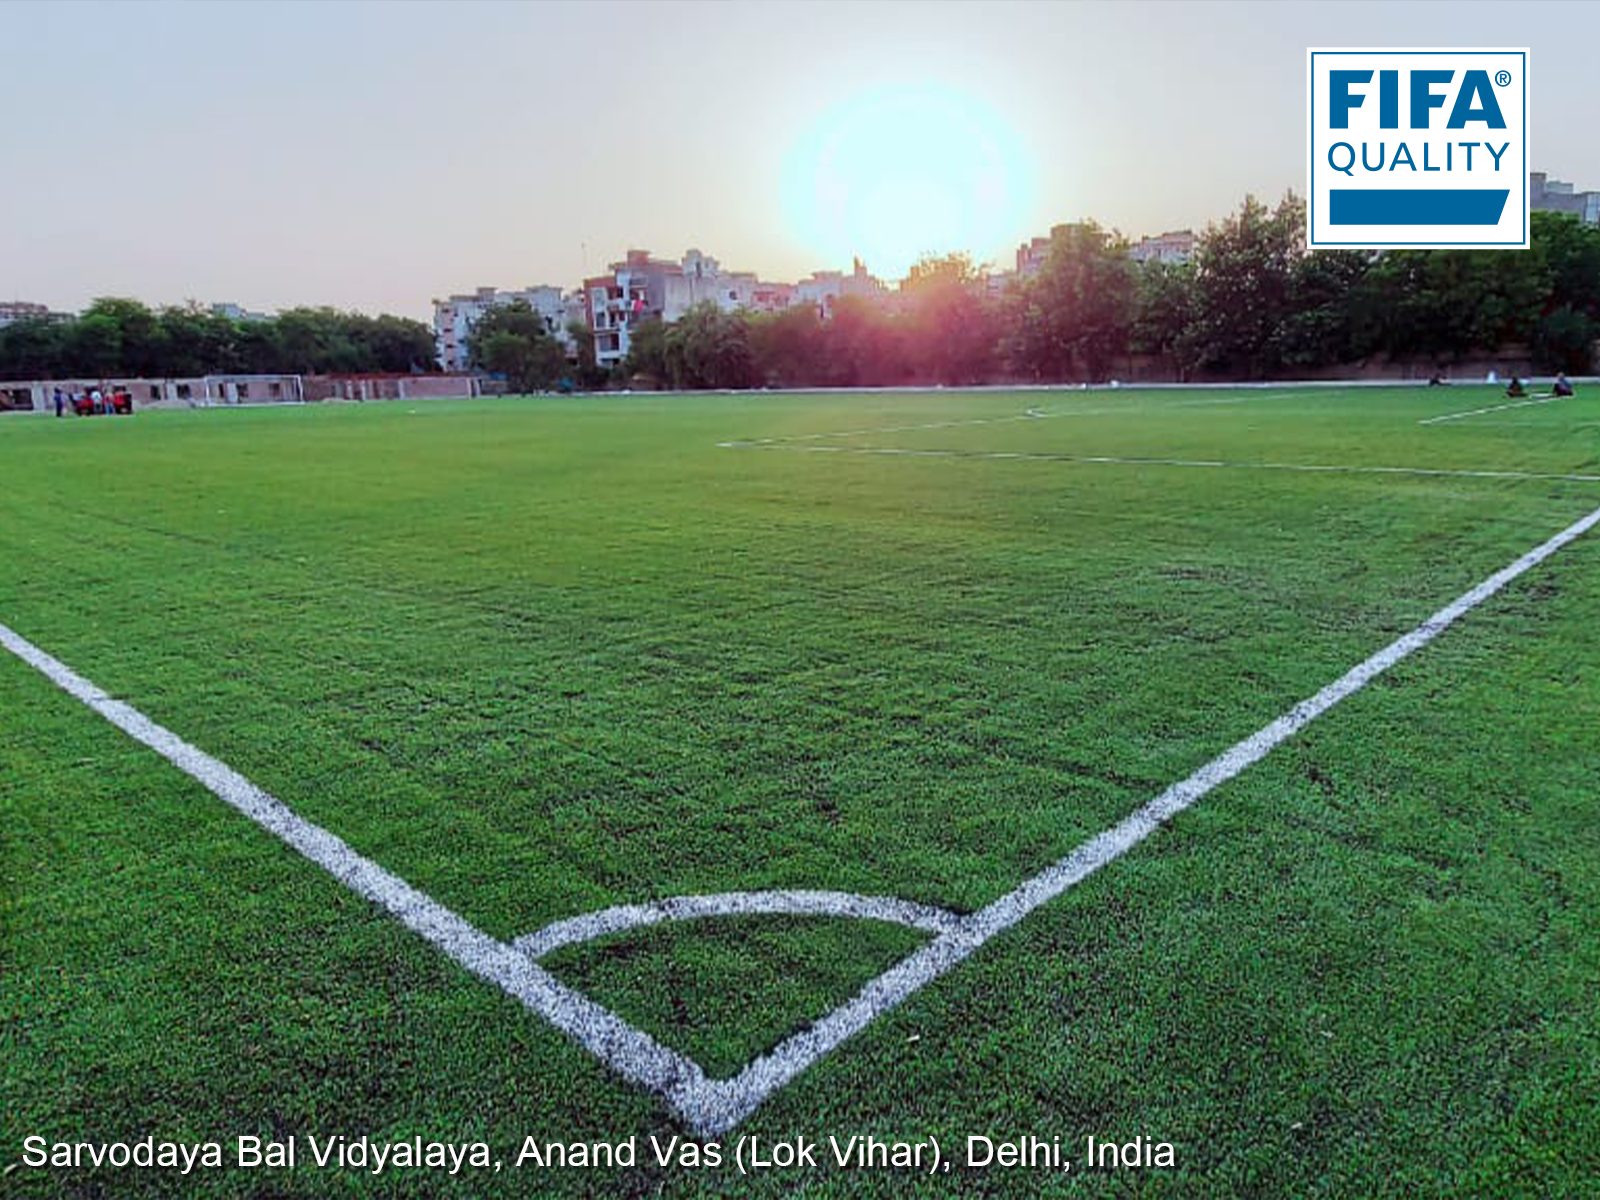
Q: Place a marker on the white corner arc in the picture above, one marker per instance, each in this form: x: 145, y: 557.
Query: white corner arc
x: 781, y: 902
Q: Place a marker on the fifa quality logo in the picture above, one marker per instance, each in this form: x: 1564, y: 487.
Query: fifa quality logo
x: 1417, y: 148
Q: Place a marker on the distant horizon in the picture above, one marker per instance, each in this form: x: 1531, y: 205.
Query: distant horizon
x: 351, y: 160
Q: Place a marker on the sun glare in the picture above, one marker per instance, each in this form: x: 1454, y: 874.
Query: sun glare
x: 894, y: 173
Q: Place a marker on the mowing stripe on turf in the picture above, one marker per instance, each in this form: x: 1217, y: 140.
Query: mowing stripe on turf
x: 1210, y: 463
x: 712, y: 1107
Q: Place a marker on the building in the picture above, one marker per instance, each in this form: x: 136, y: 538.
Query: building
x: 235, y: 312
x: 1175, y: 246
x: 199, y: 391
x: 638, y: 289
x: 208, y: 391
x: 998, y: 283
x: 13, y: 311
x: 1031, y: 255
x: 641, y: 288
x: 826, y: 287
x: 1555, y: 195
x: 453, y: 319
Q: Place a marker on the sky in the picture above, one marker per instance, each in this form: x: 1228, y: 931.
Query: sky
x: 375, y: 156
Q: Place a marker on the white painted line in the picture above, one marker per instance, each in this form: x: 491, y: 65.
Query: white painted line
x: 712, y: 1107
x: 633, y: 1054
x: 727, y: 1102
x: 1478, y: 412
x: 1032, y: 414
x: 736, y: 904
x: 1212, y: 463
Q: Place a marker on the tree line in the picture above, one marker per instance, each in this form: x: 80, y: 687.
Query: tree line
x: 118, y: 337
x: 1252, y: 304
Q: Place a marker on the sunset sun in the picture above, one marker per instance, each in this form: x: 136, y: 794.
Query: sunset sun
x: 890, y: 174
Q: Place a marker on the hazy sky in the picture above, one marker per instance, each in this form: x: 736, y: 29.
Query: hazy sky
x: 375, y: 155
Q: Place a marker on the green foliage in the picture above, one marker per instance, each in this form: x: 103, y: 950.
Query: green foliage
x: 1163, y: 308
x: 115, y: 336
x: 1319, y: 328
x: 647, y: 353
x: 789, y: 347
x: 947, y: 316
x: 1244, y: 280
x: 513, y: 340
x: 587, y: 372
x: 707, y: 348
x: 1075, y: 317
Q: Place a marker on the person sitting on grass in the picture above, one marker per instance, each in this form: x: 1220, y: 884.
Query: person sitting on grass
x: 1515, y: 390
x: 1562, y: 385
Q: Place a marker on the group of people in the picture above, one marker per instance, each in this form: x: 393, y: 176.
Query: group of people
x: 1561, y: 387
x: 1516, y: 389
x: 97, y: 401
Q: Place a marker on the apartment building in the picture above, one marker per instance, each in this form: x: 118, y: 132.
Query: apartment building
x: 1175, y: 246
x: 1556, y: 195
x: 454, y: 318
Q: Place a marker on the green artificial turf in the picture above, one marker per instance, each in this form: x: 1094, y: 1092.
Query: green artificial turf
x: 541, y: 656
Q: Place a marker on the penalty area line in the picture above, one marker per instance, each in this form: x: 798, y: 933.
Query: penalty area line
x: 1478, y: 412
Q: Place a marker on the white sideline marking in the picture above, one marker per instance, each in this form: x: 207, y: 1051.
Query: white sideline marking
x: 731, y: 1100
x: 1032, y: 414
x: 631, y: 1053
x: 712, y: 1107
x: 735, y: 904
x: 1478, y: 412
x: 1214, y: 463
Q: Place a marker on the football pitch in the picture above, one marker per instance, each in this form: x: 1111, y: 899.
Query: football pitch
x: 1214, y: 766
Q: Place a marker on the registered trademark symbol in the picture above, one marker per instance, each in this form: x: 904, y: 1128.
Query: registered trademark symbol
x: 1502, y: 78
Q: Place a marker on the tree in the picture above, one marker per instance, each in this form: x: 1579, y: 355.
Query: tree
x: 1449, y: 303
x: 948, y: 319
x: 1163, y: 308
x: 93, y: 345
x: 34, y: 349
x: 647, y: 353
x: 709, y: 348
x: 863, y: 346
x: 587, y: 372
x: 392, y: 343
x: 1075, y: 317
x: 117, y: 336
x: 1244, y: 271
x: 1318, y: 327
x: 1565, y: 336
x: 140, y: 344
x: 788, y: 347
x: 512, y: 340
x: 196, y: 341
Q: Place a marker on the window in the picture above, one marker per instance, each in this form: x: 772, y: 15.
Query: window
x: 155, y: 392
x: 244, y: 391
